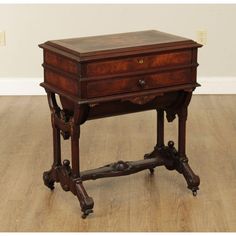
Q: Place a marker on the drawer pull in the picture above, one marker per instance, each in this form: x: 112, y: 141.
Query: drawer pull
x: 140, y: 61
x: 142, y: 83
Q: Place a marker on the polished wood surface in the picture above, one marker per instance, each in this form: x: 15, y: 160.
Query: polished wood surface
x: 109, y: 46
x: 123, y: 42
x: 26, y: 205
x: 137, y: 83
x: 140, y: 63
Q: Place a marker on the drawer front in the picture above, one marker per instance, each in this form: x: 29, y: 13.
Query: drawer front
x: 61, y: 82
x: 132, y: 64
x: 99, y: 88
x: 60, y: 62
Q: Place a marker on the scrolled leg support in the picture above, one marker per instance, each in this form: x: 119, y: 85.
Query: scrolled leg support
x: 86, y: 202
x: 48, y: 179
x: 173, y: 161
x: 147, y: 156
x: 192, y: 179
x: 181, y: 165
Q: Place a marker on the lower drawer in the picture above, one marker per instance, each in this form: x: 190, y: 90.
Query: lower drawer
x: 113, y: 86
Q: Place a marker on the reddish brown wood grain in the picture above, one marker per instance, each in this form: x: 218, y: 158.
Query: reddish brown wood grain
x: 132, y: 84
x: 124, y: 44
x: 58, y: 61
x: 69, y: 85
x: 117, y: 74
x: 139, y: 63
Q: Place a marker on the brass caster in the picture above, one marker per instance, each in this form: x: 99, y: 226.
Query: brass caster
x: 86, y: 213
x: 194, y: 193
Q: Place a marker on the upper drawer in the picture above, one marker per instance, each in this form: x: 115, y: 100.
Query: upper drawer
x: 131, y: 64
x: 60, y: 62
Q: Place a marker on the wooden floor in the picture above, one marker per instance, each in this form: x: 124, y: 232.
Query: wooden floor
x: 138, y: 202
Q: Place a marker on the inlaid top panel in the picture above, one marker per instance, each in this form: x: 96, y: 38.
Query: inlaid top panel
x: 124, y: 42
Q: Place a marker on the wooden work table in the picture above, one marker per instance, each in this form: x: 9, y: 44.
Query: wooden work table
x: 110, y: 75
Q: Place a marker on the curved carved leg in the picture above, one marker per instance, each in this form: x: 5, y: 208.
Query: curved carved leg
x: 86, y: 202
x: 48, y: 179
x: 192, y: 180
x: 48, y: 175
x: 181, y: 165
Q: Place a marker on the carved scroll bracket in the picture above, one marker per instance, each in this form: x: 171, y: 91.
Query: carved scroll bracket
x: 180, y: 106
x: 141, y: 100
x: 173, y: 161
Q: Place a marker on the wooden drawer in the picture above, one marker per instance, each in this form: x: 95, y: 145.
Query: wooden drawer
x: 60, y: 62
x: 132, y: 64
x: 106, y: 87
x: 62, y: 82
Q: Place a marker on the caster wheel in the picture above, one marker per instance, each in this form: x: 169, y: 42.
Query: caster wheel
x: 86, y: 213
x: 194, y: 193
x: 47, y: 180
x: 51, y: 187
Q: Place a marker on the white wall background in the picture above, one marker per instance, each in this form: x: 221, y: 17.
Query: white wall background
x: 28, y: 25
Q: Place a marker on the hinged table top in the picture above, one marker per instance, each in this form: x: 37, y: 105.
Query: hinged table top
x: 99, y: 46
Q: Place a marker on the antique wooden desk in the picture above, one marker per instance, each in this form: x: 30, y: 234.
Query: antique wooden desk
x: 110, y: 75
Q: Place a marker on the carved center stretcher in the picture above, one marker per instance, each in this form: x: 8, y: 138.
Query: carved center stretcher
x: 110, y: 75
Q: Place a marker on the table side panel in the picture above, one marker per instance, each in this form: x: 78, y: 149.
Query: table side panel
x: 61, y: 62
x: 62, y: 72
x: 194, y: 69
x: 64, y: 83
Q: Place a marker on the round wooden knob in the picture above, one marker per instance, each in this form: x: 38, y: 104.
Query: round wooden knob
x: 171, y: 144
x: 141, y: 83
x: 66, y: 162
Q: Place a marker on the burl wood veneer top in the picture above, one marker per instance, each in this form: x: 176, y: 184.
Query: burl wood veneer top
x: 118, y: 43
